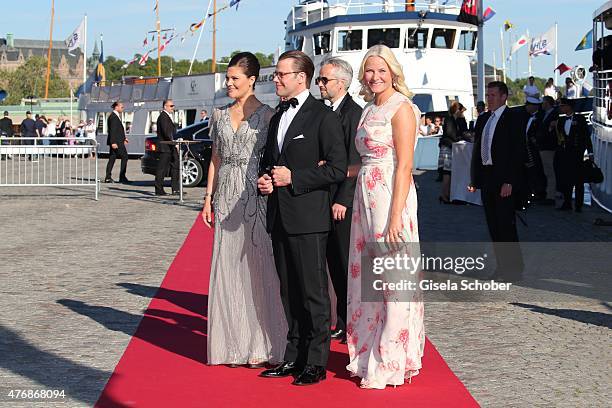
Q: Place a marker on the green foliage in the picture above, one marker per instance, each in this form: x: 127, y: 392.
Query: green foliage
x: 29, y: 79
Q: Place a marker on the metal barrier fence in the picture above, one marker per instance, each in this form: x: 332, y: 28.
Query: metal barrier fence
x: 49, y: 162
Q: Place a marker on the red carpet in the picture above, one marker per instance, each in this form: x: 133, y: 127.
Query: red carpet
x: 164, y: 363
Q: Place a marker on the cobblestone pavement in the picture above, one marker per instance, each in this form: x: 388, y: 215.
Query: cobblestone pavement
x: 67, y: 252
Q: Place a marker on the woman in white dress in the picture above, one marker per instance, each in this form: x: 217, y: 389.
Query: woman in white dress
x: 384, y: 330
x: 246, y: 324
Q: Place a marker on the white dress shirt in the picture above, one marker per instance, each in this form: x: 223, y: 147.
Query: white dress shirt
x: 493, y: 119
x: 531, y: 90
x: 288, y: 116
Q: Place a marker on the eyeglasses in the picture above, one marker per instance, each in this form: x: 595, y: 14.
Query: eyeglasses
x: 170, y: 106
x: 281, y: 75
x: 324, y: 80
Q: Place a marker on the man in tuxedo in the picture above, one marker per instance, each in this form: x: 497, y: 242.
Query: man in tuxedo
x: 302, y: 134
x: 335, y: 76
x: 497, y: 170
x: 546, y: 138
x: 573, y: 140
x: 534, y: 172
x: 204, y: 116
x: 116, y: 140
x: 168, y: 155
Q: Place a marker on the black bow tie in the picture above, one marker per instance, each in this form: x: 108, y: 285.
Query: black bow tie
x: 284, y: 105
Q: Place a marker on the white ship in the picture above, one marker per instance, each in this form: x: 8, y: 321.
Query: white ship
x: 434, y: 49
x: 602, y: 110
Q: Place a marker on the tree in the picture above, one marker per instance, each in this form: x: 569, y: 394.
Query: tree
x: 29, y: 79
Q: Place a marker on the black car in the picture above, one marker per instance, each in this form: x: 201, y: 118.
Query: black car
x: 196, y: 157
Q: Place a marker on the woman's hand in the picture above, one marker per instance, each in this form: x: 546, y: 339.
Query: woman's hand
x: 395, y: 232
x: 207, y: 213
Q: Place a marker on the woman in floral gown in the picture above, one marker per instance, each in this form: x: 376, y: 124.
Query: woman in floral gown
x: 385, y: 335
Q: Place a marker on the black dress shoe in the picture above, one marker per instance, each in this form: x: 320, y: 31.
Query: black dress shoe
x: 338, y: 334
x: 109, y: 180
x: 311, y: 375
x: 284, y: 369
x: 125, y: 181
x: 160, y: 193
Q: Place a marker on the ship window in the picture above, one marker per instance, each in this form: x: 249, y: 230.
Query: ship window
x: 467, y: 40
x: 424, y: 102
x: 152, y: 125
x: 297, y: 42
x: 417, y: 38
x: 322, y: 42
x: 387, y: 36
x: 349, y: 40
x: 443, y: 38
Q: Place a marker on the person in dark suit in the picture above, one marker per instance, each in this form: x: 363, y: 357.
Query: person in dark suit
x: 116, y: 140
x: 302, y: 134
x: 497, y: 170
x: 546, y: 139
x: 335, y: 76
x: 168, y: 155
x: 573, y: 139
x: 535, y: 188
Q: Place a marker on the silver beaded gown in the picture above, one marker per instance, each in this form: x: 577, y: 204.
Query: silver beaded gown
x: 246, y: 324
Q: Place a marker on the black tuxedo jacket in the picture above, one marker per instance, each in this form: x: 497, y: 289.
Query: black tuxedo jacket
x: 315, y: 134
x: 578, y: 139
x: 507, y: 150
x: 116, y: 131
x: 546, y: 138
x: 165, y: 131
x: 350, y: 114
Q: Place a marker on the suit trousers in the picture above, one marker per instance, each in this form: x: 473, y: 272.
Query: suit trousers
x: 547, y: 157
x: 167, y: 160
x: 501, y: 221
x: 300, y: 264
x: 121, y: 153
x: 337, y: 262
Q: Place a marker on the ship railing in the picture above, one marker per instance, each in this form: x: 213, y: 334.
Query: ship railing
x: 131, y: 90
x: 602, y: 106
x: 366, y: 7
x: 49, y: 162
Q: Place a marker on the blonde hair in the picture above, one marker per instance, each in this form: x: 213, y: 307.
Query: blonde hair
x: 399, y: 81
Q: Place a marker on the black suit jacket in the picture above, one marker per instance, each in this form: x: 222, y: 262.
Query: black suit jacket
x: 578, y: 139
x: 116, y: 131
x: 350, y: 114
x: 315, y: 134
x: 165, y: 131
x: 507, y: 150
x: 545, y: 137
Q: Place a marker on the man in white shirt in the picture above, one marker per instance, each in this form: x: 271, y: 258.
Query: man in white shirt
x: 531, y: 90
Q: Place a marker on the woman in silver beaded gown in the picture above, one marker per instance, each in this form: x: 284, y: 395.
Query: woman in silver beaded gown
x: 246, y: 324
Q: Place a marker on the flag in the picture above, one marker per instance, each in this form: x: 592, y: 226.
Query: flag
x: 586, y: 42
x: 488, y: 14
x: 468, y: 12
x: 234, y: 3
x: 196, y: 26
x: 77, y: 37
x: 508, y: 25
x: 145, y: 42
x: 562, y: 68
x: 100, y: 71
x: 543, y: 44
x: 127, y: 64
x: 165, y: 44
x: 143, y: 60
x: 519, y: 44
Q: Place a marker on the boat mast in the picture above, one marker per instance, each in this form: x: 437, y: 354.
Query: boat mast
x: 481, y: 65
x: 49, y: 51
x: 158, y: 28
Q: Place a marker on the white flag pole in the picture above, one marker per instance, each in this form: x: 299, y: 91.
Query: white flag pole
x: 481, y: 52
x: 556, y: 54
x: 503, y: 52
x: 530, y: 42
x: 195, y: 51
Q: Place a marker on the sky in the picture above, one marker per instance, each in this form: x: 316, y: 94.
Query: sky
x: 257, y: 25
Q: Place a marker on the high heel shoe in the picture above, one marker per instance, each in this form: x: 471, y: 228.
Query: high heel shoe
x: 441, y: 200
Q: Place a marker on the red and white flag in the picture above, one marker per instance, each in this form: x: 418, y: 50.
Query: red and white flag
x: 563, y: 68
x: 143, y: 60
x: 522, y: 41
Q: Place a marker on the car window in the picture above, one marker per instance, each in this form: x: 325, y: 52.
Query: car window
x: 201, y: 134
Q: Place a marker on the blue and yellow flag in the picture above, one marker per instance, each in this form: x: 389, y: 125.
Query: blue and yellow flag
x: 586, y: 42
x: 100, y: 75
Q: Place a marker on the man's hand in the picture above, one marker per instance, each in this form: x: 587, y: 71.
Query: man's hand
x: 506, y: 190
x: 338, y: 211
x: 114, y: 146
x: 281, y: 176
x: 264, y: 184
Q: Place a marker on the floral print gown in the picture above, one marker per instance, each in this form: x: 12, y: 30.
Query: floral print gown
x: 385, y: 338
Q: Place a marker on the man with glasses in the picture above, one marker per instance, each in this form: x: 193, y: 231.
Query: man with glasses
x: 302, y: 134
x: 334, y: 80
x: 168, y: 156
